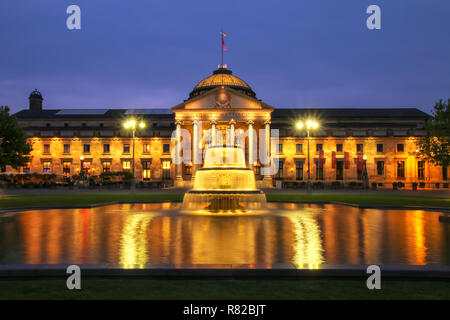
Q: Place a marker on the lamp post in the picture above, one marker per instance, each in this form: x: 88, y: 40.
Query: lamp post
x: 365, y: 174
x: 81, y: 167
x: 131, y: 124
x: 308, y: 125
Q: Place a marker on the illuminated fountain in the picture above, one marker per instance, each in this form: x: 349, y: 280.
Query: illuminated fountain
x: 224, y: 184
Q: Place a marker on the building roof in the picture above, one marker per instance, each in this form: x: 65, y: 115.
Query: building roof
x: 89, y: 113
x: 408, y: 113
x: 287, y: 113
x: 222, y: 77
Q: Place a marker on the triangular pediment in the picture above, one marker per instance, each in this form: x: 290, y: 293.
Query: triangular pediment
x: 223, y: 99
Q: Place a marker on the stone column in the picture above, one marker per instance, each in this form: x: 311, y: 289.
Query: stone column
x: 195, y: 147
x: 178, y: 163
x: 232, y: 134
x: 267, y: 178
x: 251, y: 143
x: 213, y: 132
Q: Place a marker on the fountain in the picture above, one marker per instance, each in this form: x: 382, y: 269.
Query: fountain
x: 224, y: 184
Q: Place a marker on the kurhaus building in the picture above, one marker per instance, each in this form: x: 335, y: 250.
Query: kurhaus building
x: 346, y: 144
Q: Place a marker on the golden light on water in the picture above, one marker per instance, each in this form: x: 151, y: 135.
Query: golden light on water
x: 308, y: 250
x: 306, y: 236
x: 134, y: 241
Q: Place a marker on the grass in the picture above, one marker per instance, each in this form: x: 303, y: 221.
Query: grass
x: 225, y: 289
x: 24, y: 201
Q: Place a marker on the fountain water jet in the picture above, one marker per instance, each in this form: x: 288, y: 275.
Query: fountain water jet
x: 224, y: 184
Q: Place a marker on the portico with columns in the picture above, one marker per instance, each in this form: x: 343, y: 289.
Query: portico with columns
x: 222, y: 110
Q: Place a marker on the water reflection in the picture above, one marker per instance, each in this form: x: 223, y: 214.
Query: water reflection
x: 134, y: 235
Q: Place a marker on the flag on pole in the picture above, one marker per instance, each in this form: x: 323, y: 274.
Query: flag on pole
x: 223, y: 40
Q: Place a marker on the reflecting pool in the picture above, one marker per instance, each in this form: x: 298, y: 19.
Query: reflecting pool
x: 301, y: 234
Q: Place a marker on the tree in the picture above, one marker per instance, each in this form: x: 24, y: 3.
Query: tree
x: 13, y: 141
x: 435, y: 145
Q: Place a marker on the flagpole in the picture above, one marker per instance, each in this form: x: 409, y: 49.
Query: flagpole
x: 221, y: 45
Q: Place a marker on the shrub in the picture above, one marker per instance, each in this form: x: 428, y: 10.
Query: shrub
x: 336, y: 185
x: 353, y: 185
x: 121, y: 176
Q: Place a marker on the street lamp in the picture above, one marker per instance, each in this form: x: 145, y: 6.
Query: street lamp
x: 81, y: 167
x: 308, y: 125
x: 132, y: 125
x: 365, y: 174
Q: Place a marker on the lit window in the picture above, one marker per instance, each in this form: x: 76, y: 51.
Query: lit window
x: 86, y: 166
x: 146, y: 170
x: 46, y: 166
x: 166, y: 169
x: 26, y: 168
x: 66, y: 168
x: 400, y: 169
x: 106, y: 166
x: 166, y: 164
x: 146, y: 148
x: 126, y: 165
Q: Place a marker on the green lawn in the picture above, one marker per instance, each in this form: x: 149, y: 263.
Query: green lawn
x: 81, y: 199
x: 225, y: 289
x: 75, y: 199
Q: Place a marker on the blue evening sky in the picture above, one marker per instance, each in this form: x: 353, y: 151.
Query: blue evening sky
x: 293, y: 53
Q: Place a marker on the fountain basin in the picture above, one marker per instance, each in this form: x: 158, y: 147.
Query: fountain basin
x: 224, y: 200
x: 224, y: 184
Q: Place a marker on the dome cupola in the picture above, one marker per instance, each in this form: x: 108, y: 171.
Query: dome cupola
x: 35, y: 99
x: 222, y: 77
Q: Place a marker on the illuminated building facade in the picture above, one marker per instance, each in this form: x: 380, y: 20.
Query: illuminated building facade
x: 348, y: 142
